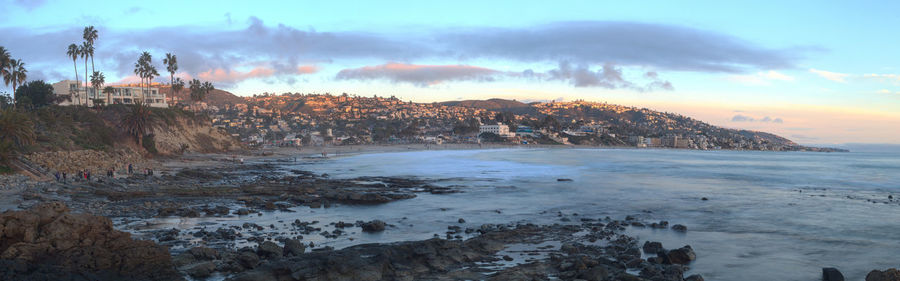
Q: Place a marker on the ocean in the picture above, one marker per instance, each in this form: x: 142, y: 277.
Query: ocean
x: 769, y: 215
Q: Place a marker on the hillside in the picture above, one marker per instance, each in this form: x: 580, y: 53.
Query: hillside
x: 216, y: 97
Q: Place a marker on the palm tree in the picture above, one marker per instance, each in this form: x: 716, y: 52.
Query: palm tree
x: 90, y: 36
x: 138, y: 122
x: 86, y: 51
x: 97, y: 81
x: 73, y: 52
x: 177, y: 85
x: 15, y: 74
x: 16, y: 128
x: 4, y: 59
x: 196, y: 90
x: 171, y: 63
x: 108, y: 91
x: 207, y: 87
x: 151, y: 73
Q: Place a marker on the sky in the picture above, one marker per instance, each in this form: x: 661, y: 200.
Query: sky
x: 816, y: 72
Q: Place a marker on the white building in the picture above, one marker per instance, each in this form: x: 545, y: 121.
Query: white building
x: 499, y: 129
x: 121, y: 95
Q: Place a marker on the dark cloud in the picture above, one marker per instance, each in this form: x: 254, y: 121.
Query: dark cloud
x: 581, y: 45
x: 419, y: 75
x: 767, y: 119
x: 662, y: 46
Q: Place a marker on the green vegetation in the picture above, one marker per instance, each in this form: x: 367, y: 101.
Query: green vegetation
x: 138, y: 122
x: 35, y: 94
x: 16, y: 133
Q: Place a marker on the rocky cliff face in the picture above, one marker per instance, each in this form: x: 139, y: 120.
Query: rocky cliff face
x: 192, y: 135
x: 47, y: 242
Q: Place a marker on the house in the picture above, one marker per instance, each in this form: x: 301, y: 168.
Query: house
x: 499, y: 129
x: 72, y: 94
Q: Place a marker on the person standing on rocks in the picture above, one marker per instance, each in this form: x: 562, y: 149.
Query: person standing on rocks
x: 130, y: 169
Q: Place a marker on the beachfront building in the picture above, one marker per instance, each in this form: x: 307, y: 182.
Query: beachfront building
x: 122, y: 94
x: 499, y: 129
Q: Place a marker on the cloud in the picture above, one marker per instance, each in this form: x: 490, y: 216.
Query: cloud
x: 667, y: 47
x: 419, y: 75
x: 887, y: 92
x: 609, y: 77
x: 833, y: 76
x: 232, y: 76
x: 766, y: 119
x: 30, y: 4
x: 608, y: 44
x: 760, y: 78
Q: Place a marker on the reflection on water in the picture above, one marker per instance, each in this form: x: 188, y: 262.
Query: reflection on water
x: 770, y: 216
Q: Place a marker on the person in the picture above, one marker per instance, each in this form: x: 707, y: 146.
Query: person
x: 242, y: 161
x: 130, y: 169
x: 64, y: 177
x: 57, y: 176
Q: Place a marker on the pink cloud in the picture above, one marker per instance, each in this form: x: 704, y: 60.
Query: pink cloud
x: 233, y: 76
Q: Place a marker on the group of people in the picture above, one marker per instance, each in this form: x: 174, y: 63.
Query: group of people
x: 86, y: 174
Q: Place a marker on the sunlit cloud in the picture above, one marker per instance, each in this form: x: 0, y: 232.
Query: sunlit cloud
x: 766, y: 119
x: 760, y: 78
x: 833, y: 76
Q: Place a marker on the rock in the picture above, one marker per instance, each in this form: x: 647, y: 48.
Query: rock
x: 373, y: 226
x: 293, y: 247
x: 652, y: 247
x: 507, y: 258
x: 888, y: 275
x: 679, y: 228
x: 204, y: 253
x: 563, y: 179
x: 695, y: 277
x: 704, y: 199
x: 76, y: 246
x: 597, y: 273
x: 831, y: 274
x: 269, y: 249
x: 242, y: 212
x: 248, y: 259
x: 683, y: 255
x: 201, y: 270
x: 461, y: 220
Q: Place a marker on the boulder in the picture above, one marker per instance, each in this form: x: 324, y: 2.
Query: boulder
x: 831, y: 274
x: 888, y: 275
x: 695, y: 277
x: 76, y: 246
x: 293, y: 247
x: 679, y: 228
x: 268, y: 250
x: 200, y: 270
x: 683, y: 255
x: 373, y: 226
x: 248, y: 259
x: 652, y: 247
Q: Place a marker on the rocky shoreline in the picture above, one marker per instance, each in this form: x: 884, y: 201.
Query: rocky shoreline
x: 79, y: 241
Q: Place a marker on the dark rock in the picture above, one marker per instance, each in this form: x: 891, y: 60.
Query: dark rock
x: 683, y: 255
x: 373, y: 226
x: 204, y: 253
x: 242, y: 212
x: 888, y: 275
x: 704, y: 199
x: 293, y: 247
x: 831, y: 274
x: 679, y: 228
x: 200, y: 270
x: 248, y: 259
x: 269, y: 249
x: 563, y: 179
x: 507, y: 258
x: 695, y: 277
x: 461, y: 220
x: 597, y: 273
x: 652, y: 247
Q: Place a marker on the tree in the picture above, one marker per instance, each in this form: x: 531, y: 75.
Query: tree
x: 138, y: 121
x: 86, y: 51
x: 197, y: 92
x: 35, y: 94
x: 5, y: 101
x: 108, y: 91
x: 4, y: 60
x: 144, y: 69
x: 177, y: 85
x: 97, y: 81
x: 15, y: 74
x: 171, y: 62
x: 16, y: 128
x: 207, y: 87
x: 90, y: 36
x: 73, y: 52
